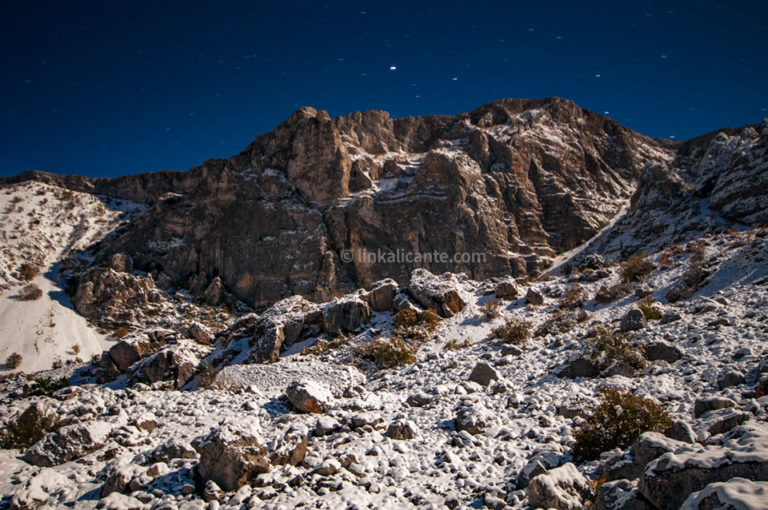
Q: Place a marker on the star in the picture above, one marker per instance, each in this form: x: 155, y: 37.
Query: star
x: 393, y: 68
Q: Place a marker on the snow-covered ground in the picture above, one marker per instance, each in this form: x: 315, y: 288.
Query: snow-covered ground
x: 39, y: 226
x: 528, y: 410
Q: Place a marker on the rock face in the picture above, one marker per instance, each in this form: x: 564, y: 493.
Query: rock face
x: 513, y: 180
x: 434, y: 292
x: 232, y: 455
x: 68, y: 443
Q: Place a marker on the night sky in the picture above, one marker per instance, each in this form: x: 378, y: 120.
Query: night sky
x: 109, y: 88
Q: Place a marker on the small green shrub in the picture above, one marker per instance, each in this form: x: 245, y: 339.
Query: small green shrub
x: 13, y: 361
x: 514, y: 331
x: 652, y: 313
x: 388, y: 352
x: 45, y: 386
x: 618, y: 420
x: 636, y: 268
x: 491, y: 309
x: 29, y: 428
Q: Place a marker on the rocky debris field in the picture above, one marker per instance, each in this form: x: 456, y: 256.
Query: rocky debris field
x: 446, y: 392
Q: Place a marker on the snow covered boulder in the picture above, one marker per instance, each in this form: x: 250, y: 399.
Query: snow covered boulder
x: 735, y: 493
x: 620, y: 495
x: 483, y: 374
x: 381, y: 295
x: 402, y: 429
x: 743, y: 452
x: 534, y: 297
x: 129, y: 350
x: 507, y: 289
x: 632, y: 320
x: 38, y: 490
x: 436, y: 292
x: 290, y: 449
x: 345, y: 314
x: 702, y: 405
x: 175, y: 363
x: 68, y: 443
x: 562, y: 488
x: 652, y: 445
x: 661, y: 350
x: 233, y: 455
x: 473, y: 418
x: 268, y: 340
x: 309, y: 397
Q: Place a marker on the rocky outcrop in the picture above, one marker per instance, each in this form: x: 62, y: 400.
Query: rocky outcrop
x: 435, y: 292
x: 68, y: 443
x: 114, y: 299
x: 309, y: 397
x: 562, y: 488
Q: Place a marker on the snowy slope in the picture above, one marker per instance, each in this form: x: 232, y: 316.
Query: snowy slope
x: 40, y: 225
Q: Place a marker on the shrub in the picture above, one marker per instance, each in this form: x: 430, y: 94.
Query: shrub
x: 29, y: 428
x: 573, y: 297
x: 389, y: 352
x: 608, y: 294
x: 322, y: 346
x: 557, y: 325
x: 514, y: 331
x: 76, y: 349
x: 429, y: 319
x: 636, y: 268
x: 27, y: 271
x: 30, y: 292
x: 652, y: 313
x: 608, y: 347
x: 491, y: 309
x: 45, y: 386
x: 405, y: 317
x: 13, y: 361
x: 455, y: 345
x: 618, y: 420
x: 120, y: 332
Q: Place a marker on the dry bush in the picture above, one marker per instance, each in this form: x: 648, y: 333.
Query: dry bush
x: 618, y: 420
x: 388, y: 352
x: 13, y: 361
x: 636, y: 268
x: 652, y: 313
x: 573, y: 297
x: 30, y: 292
x: 120, y: 332
x: 405, y: 317
x: 322, y: 346
x: 513, y: 331
x: 455, y: 345
x: 28, y: 271
x: 76, y: 349
x: 491, y: 309
x: 608, y: 347
x: 609, y: 294
x: 556, y: 325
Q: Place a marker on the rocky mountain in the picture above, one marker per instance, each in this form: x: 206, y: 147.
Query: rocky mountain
x: 609, y: 352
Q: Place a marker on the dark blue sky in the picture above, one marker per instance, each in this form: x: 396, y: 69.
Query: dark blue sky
x: 110, y: 88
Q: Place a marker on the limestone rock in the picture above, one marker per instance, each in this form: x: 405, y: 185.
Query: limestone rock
x: 309, y: 397
x: 233, y: 455
x: 562, y: 488
x: 68, y: 443
x: 381, y: 295
x: 435, y: 292
x: 534, y: 297
x: 483, y: 374
x: 345, y: 314
x: 632, y: 320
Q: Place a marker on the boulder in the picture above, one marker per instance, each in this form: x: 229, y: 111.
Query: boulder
x: 670, y: 479
x: 664, y: 351
x: 345, y: 314
x: 702, y: 405
x: 736, y: 493
x: 169, y: 450
x: 68, y: 443
x: 174, y: 363
x: 579, y: 366
x: 436, y: 292
x: 129, y: 350
x: 483, y: 374
x: 268, y: 337
x: 381, y: 295
x: 121, y: 262
x: 536, y: 465
x: 201, y: 333
x: 309, y: 397
x: 633, y: 320
x: 420, y: 399
x: 214, y: 292
x: 730, y: 377
x: 534, y: 297
x: 507, y: 289
x: 620, y: 495
x: 232, y: 455
x: 473, y: 418
x: 681, y: 431
x: 402, y: 429
x: 652, y: 445
x: 290, y: 449
x: 562, y: 488
x: 720, y: 421
x: 325, y: 425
